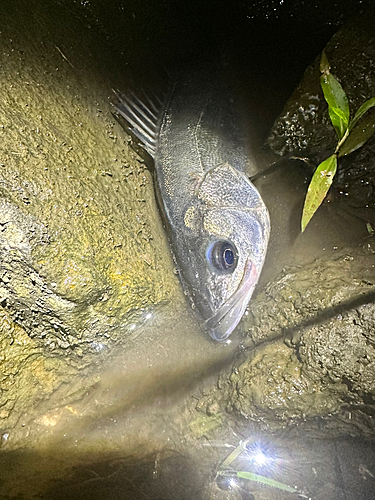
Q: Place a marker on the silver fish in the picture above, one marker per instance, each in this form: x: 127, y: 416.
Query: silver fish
x: 217, y: 222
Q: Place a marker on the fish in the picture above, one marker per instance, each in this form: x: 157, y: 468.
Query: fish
x: 217, y: 223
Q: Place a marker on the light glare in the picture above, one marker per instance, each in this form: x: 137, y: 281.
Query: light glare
x: 232, y: 482
x: 260, y: 459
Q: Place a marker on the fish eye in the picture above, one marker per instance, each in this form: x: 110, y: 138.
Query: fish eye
x: 223, y: 256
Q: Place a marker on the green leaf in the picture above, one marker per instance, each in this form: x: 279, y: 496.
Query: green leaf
x: 324, y: 63
x: 338, y: 106
x: 318, y: 188
x: 359, y: 134
x: 339, y: 121
x: 362, y: 110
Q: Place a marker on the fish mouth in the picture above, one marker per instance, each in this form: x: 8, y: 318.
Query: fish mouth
x: 224, y: 321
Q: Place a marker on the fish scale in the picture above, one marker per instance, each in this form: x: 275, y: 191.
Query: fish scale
x: 217, y: 223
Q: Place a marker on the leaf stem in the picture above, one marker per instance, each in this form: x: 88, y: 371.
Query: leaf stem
x: 341, y: 141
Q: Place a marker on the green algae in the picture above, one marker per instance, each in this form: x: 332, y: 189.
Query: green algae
x: 82, y: 241
x: 83, y: 252
x: 205, y: 425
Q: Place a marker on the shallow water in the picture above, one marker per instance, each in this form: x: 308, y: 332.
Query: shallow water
x: 126, y: 427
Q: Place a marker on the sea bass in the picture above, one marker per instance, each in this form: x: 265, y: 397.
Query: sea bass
x: 217, y: 222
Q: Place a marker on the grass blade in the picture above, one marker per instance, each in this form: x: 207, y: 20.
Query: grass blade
x: 232, y: 456
x: 265, y: 480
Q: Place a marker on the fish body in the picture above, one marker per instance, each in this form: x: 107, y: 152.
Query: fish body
x: 217, y: 222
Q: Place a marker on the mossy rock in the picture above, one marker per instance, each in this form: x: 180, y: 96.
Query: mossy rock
x: 83, y: 252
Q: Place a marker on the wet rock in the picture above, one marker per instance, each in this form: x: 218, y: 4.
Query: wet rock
x: 81, y: 246
x: 304, y: 123
x: 314, y: 328
x: 311, y: 293
x: 304, y: 127
x: 309, y: 335
x: 274, y: 383
x: 28, y: 377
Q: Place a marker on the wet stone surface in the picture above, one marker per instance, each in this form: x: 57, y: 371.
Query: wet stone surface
x: 82, y: 249
x: 312, y: 351
x: 304, y: 127
x: 312, y: 293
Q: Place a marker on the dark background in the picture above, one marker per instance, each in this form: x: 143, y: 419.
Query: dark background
x: 267, y: 44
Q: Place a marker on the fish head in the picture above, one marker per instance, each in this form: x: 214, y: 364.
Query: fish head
x: 225, y: 248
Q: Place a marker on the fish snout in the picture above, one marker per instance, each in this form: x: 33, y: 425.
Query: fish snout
x: 222, y: 323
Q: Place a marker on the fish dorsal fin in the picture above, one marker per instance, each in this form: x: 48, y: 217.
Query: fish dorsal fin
x: 143, y: 114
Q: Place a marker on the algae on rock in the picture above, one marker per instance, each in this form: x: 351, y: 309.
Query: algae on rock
x: 82, y: 248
